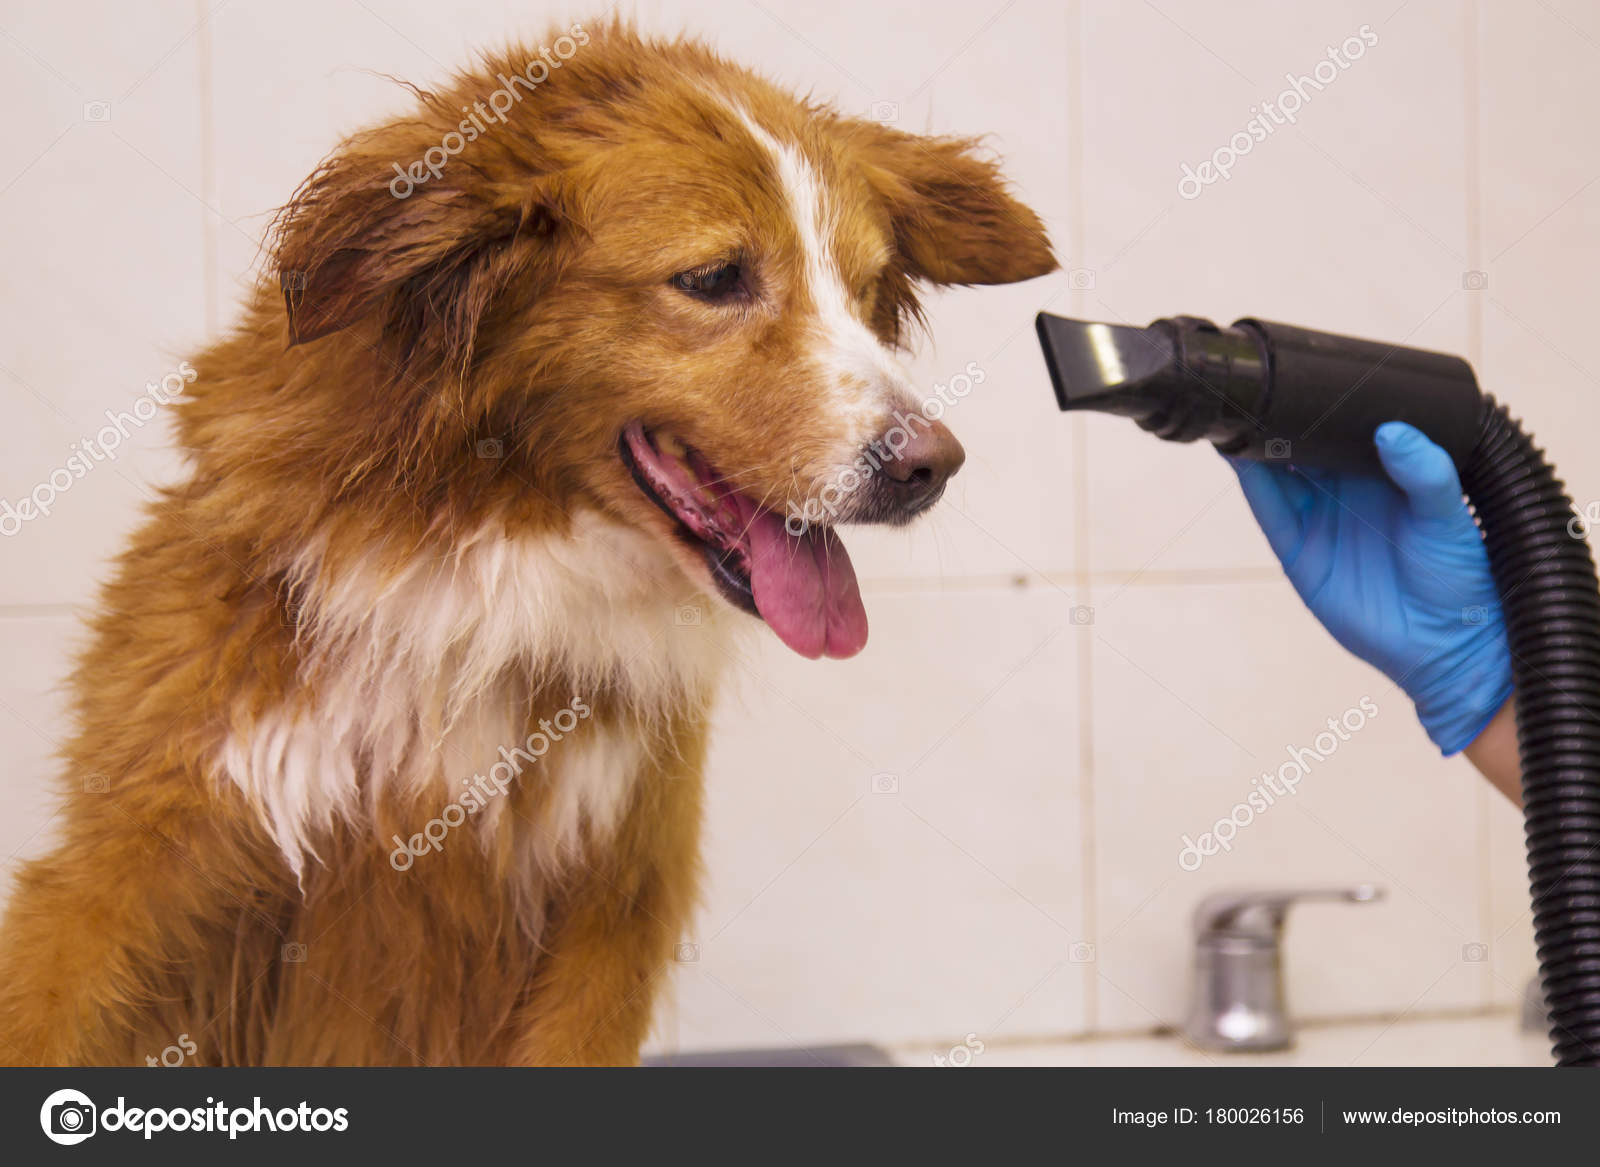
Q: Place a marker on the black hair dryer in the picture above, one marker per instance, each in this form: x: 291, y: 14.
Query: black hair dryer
x: 1278, y: 392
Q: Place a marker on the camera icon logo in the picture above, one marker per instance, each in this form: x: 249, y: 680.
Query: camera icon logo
x: 1475, y: 953
x: 687, y: 616
x: 686, y: 953
x: 97, y: 111
x: 96, y: 784
x: 1278, y: 449
x: 1080, y: 279
x: 884, y: 111
x: 885, y: 784
x: 491, y: 448
x: 294, y: 952
x: 1474, y: 614
x: 292, y: 281
x: 1081, y: 614
x: 68, y: 1117
x: 1081, y: 953
x: 1474, y: 281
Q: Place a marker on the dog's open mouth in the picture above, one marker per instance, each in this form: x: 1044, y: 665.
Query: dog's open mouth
x: 802, y: 585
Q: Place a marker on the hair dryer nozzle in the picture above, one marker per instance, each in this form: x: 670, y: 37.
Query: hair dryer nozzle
x: 1182, y: 379
x: 1092, y: 366
x: 1262, y: 390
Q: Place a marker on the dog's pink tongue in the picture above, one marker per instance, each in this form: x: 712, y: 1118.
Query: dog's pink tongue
x: 805, y: 588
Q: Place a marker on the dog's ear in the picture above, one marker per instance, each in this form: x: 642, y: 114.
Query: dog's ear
x: 359, y: 238
x: 954, y: 220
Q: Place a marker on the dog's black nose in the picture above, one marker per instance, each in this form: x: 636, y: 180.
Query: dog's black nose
x: 917, y: 474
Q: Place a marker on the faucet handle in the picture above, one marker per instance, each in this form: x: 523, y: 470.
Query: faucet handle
x: 1252, y: 914
x: 1237, y: 1001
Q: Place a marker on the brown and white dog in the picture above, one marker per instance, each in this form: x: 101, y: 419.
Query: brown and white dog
x: 397, y: 745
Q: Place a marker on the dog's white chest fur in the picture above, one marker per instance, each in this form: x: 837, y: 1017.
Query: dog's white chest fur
x: 417, y: 681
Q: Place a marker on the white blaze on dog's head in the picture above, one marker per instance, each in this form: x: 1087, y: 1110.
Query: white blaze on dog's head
x: 865, y: 382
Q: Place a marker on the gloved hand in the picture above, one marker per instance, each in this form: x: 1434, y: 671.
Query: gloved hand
x: 1398, y: 573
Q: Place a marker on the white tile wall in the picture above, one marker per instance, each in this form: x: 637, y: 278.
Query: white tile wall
x: 106, y: 267
x: 1199, y: 688
x: 34, y: 656
x: 905, y: 863
x: 1021, y: 879
x: 1539, y: 170
x: 1352, y: 219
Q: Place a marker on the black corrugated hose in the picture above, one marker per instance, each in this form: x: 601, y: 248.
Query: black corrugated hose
x: 1546, y: 579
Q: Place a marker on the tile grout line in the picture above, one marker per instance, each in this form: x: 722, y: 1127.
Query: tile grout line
x: 208, y: 172
x: 1082, y: 573
x: 1321, y: 1023
x: 35, y: 611
x: 1471, y: 68
x: 1064, y: 580
x: 1471, y: 76
x: 901, y: 585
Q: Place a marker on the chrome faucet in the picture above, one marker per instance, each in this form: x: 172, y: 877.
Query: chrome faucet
x: 1238, y: 999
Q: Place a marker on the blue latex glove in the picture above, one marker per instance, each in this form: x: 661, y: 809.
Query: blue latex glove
x: 1399, y: 576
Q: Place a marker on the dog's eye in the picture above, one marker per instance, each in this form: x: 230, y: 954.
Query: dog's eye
x: 716, y: 283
